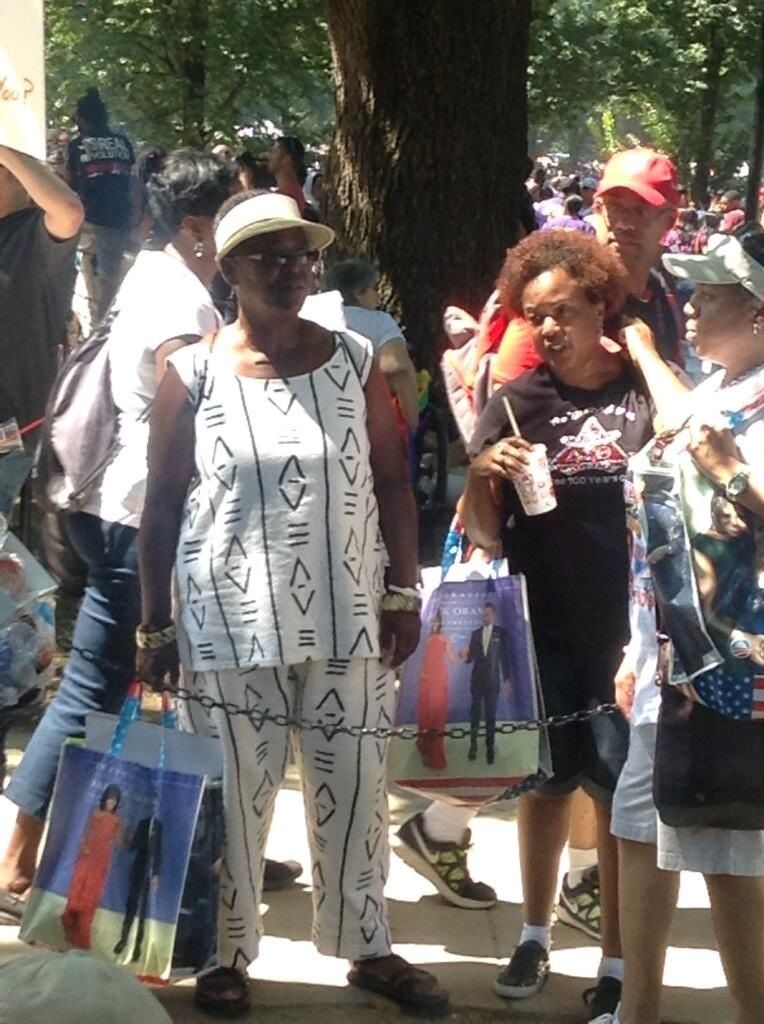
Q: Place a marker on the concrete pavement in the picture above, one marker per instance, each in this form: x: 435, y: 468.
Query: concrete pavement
x: 464, y: 948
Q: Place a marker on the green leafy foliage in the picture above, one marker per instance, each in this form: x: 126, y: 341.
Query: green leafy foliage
x: 189, y: 71
x: 605, y: 73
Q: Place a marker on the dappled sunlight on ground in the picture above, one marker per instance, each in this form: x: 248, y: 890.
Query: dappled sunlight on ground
x: 291, y: 959
x: 463, y: 948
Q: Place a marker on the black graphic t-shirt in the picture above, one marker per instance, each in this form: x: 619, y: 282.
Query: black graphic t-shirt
x: 99, y: 169
x: 575, y: 557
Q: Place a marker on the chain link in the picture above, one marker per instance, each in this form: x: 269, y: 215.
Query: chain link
x: 329, y: 728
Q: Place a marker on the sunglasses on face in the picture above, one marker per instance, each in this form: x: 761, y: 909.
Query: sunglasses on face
x: 277, y: 259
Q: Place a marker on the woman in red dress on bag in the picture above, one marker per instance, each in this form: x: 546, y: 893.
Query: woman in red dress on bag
x: 103, y: 832
x: 432, y: 709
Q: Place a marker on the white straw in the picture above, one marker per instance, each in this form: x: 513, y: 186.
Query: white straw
x: 511, y: 416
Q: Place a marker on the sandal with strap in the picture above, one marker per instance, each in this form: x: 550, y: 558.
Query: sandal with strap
x: 415, y: 991
x: 213, y: 988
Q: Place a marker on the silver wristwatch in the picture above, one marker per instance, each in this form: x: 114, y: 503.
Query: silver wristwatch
x: 737, y: 485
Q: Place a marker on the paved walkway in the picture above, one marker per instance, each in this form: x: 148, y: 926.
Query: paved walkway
x: 463, y: 948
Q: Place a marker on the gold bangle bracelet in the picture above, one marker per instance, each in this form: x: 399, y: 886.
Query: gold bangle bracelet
x: 153, y: 639
x: 401, y: 603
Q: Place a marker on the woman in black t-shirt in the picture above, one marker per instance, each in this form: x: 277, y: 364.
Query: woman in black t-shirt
x: 590, y: 409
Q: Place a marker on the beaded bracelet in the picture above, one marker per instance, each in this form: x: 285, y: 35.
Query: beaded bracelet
x: 392, y: 602
x: 147, y: 639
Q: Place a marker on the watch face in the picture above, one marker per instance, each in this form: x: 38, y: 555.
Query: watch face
x: 737, y: 485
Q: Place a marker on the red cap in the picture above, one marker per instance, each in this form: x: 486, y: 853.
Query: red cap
x: 650, y: 175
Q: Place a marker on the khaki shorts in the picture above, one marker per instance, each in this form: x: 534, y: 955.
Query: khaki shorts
x: 711, y: 851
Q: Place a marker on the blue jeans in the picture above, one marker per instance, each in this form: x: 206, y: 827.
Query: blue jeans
x: 106, y: 623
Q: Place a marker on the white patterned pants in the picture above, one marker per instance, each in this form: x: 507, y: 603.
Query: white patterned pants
x: 344, y: 788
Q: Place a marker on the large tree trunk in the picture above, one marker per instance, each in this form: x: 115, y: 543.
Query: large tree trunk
x: 192, y: 61
x: 428, y: 159
x: 708, y: 111
x: 756, y: 159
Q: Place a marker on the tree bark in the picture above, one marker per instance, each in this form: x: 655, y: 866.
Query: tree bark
x: 427, y: 165
x: 708, y: 111
x: 193, y: 75
x: 756, y: 159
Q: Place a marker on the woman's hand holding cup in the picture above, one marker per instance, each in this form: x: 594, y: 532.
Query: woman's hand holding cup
x: 526, y: 466
x: 508, y: 459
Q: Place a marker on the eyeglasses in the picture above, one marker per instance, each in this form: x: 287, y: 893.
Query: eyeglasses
x: 277, y: 259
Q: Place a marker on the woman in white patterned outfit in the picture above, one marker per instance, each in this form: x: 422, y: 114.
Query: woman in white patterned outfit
x: 273, y: 464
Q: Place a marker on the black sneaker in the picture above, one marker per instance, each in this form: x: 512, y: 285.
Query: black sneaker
x: 443, y: 864
x: 603, y: 998
x: 579, y: 905
x: 526, y: 973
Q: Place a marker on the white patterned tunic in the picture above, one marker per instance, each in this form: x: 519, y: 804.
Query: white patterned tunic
x: 279, y: 559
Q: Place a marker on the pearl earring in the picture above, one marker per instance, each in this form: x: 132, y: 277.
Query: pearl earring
x: 199, y: 250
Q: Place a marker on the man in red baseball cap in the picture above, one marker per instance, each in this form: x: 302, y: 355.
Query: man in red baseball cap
x: 638, y: 198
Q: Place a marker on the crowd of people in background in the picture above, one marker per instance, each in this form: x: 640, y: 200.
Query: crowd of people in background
x: 229, y: 329
x: 569, y: 201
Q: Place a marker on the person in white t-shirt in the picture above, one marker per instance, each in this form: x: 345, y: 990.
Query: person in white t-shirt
x: 162, y: 305
x: 357, y: 282
x: 716, y: 433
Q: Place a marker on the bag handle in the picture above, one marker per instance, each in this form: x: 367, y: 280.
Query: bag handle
x: 456, y: 546
x: 131, y: 712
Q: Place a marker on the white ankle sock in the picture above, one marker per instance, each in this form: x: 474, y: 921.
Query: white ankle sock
x: 445, y: 823
x: 611, y: 967
x: 536, y: 933
x: 579, y: 862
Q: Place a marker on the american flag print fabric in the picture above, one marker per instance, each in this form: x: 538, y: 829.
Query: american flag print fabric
x: 713, y: 545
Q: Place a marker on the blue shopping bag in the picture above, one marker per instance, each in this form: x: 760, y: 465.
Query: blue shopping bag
x: 116, y: 855
x: 196, y: 936
x: 474, y: 670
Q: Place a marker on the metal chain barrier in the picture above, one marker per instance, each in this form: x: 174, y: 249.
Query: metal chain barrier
x: 329, y: 728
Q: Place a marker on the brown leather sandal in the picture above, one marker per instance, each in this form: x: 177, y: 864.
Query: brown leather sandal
x: 213, y: 991
x: 415, y: 991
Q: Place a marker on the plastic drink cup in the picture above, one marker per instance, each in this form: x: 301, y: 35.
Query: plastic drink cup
x: 535, y: 487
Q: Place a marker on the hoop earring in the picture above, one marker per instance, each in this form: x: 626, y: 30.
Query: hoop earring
x: 199, y: 250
